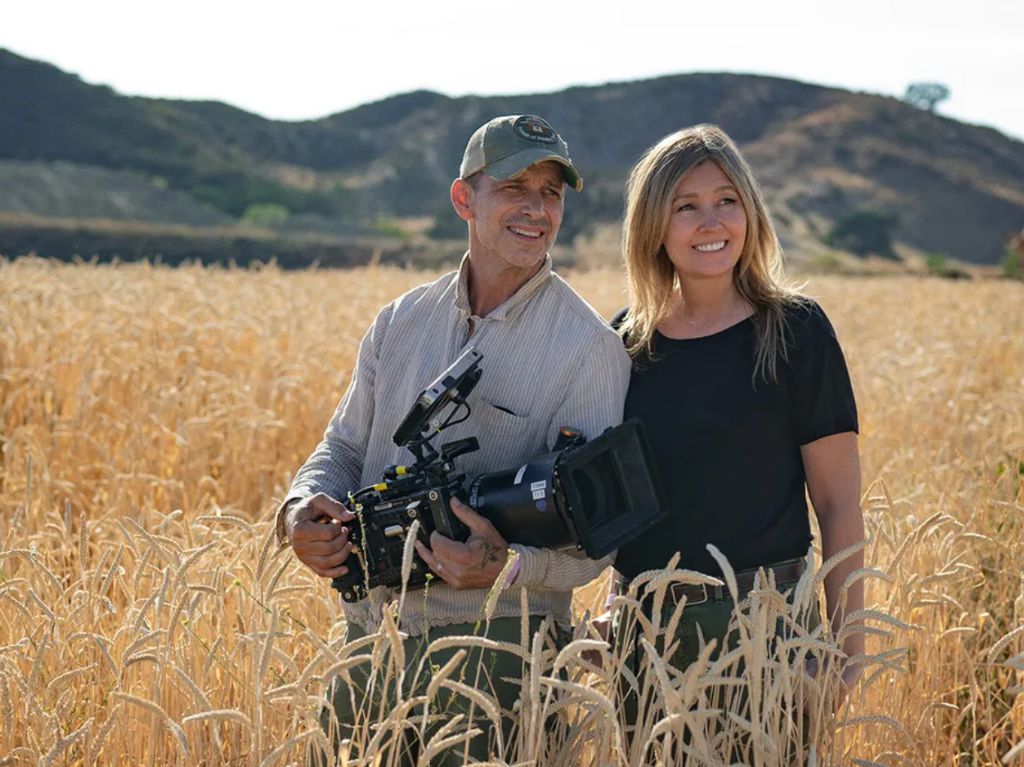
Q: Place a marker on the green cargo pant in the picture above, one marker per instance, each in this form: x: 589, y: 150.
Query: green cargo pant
x: 495, y: 673
x: 699, y: 624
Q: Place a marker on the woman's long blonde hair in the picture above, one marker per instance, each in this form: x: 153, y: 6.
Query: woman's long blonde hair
x: 757, y: 275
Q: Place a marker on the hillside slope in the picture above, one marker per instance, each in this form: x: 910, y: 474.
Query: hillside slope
x: 821, y: 154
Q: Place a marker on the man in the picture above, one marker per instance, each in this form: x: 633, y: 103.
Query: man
x: 549, y: 360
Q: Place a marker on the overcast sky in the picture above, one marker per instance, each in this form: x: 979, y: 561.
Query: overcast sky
x: 305, y: 59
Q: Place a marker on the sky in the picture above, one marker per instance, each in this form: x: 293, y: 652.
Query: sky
x: 305, y: 59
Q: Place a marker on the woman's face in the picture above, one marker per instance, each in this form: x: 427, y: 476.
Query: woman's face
x: 707, y: 226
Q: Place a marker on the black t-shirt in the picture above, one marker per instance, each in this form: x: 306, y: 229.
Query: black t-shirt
x: 727, y: 448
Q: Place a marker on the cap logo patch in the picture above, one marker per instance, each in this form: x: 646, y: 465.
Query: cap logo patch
x: 535, y: 129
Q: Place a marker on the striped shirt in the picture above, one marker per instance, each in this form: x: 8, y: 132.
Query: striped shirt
x: 549, y: 360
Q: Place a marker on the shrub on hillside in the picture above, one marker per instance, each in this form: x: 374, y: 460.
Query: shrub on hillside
x: 864, y: 232
x: 1013, y: 258
x: 268, y: 214
x: 940, y: 266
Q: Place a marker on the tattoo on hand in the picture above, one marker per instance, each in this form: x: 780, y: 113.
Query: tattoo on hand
x: 489, y: 553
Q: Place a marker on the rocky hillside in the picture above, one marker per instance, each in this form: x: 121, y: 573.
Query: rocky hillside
x: 824, y: 156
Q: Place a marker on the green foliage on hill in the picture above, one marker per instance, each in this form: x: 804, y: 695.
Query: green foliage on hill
x: 265, y: 214
x: 1013, y: 262
x: 865, y: 232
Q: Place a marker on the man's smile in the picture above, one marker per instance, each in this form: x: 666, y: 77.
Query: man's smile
x: 521, y: 231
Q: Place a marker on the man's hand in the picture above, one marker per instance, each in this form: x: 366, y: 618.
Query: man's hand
x: 316, y: 530
x: 470, y: 565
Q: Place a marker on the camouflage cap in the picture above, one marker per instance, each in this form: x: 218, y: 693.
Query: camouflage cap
x: 506, y: 146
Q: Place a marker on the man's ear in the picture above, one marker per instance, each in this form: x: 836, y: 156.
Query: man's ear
x: 462, y: 199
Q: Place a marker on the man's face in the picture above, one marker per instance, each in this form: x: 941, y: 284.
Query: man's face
x: 514, y: 222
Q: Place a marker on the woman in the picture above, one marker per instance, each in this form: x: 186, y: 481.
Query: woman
x: 742, y: 387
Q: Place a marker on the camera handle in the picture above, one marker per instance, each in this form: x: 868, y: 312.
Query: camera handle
x: 452, y: 450
x: 423, y: 451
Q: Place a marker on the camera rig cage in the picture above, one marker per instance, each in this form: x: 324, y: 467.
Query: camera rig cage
x: 594, y: 495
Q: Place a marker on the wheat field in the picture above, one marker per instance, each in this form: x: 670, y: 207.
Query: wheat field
x: 151, y: 418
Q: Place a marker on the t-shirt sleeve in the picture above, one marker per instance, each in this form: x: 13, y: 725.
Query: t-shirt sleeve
x: 822, y: 394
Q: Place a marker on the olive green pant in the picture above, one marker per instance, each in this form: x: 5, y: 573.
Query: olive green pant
x: 367, y: 698
x: 699, y: 624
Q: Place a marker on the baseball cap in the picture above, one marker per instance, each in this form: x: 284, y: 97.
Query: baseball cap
x: 506, y: 146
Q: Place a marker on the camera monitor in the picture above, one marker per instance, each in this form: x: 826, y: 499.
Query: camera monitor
x: 453, y: 385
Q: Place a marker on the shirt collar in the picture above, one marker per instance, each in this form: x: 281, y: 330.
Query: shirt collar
x: 511, y: 305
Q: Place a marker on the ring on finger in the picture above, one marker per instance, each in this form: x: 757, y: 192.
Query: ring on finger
x: 439, y: 566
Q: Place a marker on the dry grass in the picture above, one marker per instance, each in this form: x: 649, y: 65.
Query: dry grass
x: 150, y: 417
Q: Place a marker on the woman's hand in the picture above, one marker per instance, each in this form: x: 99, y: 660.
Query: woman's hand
x: 847, y: 679
x: 602, y: 626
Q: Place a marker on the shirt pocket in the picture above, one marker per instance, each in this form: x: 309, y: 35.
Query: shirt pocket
x: 499, y: 423
x: 505, y: 439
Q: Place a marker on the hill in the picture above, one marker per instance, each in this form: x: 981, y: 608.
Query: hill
x: 824, y: 156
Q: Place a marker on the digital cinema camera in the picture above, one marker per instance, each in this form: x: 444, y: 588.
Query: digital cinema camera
x: 595, y: 495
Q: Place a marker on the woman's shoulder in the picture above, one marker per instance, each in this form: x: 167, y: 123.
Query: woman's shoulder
x: 808, y: 332
x: 805, y: 319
